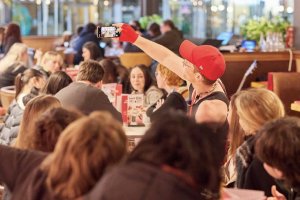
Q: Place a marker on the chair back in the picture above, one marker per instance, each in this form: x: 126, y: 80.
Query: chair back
x: 7, y: 96
x: 129, y: 60
x: 286, y: 86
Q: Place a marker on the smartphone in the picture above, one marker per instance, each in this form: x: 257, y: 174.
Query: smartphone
x: 108, y: 31
x: 31, y: 52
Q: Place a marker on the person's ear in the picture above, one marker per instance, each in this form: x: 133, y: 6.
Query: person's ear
x: 99, y: 84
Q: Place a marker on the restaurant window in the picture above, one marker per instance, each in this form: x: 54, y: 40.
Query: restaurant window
x: 203, y: 18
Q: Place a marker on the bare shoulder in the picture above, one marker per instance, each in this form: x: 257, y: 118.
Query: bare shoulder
x: 212, y: 111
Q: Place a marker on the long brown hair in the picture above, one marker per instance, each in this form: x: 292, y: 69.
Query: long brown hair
x: 13, y: 30
x: 85, y: 149
x: 34, y: 108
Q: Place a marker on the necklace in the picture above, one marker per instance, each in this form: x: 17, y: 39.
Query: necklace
x: 202, y: 94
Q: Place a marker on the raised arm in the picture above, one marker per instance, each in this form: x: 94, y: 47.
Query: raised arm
x: 156, y: 51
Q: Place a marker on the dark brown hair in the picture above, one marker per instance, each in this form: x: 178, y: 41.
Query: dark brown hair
x: 49, y: 126
x: 84, y: 151
x: 178, y: 141
x: 90, y: 71
x: 23, y: 78
x: 278, y: 145
x: 154, y: 28
x: 57, y: 81
x: 110, y: 71
x: 13, y: 30
x: 147, y: 76
x: 93, y: 49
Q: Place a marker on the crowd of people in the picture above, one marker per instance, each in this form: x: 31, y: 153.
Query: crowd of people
x: 62, y: 138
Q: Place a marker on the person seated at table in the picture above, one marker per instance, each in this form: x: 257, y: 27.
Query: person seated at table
x: 255, y: 107
x: 85, y: 150
x: 91, y: 51
x: 278, y: 147
x: 24, y: 83
x: 170, y: 82
x: 49, y: 63
x: 57, y: 81
x: 110, y: 71
x: 13, y: 63
x: 85, y: 94
x: 142, y: 83
x: 173, y: 160
x: 86, y: 35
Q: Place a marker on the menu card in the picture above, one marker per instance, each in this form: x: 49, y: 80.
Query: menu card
x: 113, y: 92
x: 133, y: 109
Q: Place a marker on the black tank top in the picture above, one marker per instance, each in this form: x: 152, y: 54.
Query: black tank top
x: 213, y: 96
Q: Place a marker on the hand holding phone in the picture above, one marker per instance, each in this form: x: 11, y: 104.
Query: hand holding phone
x: 108, y: 32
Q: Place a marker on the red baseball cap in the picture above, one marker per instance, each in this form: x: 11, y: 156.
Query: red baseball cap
x: 208, y: 60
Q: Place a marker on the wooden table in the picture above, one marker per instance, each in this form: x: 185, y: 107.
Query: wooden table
x: 134, y: 135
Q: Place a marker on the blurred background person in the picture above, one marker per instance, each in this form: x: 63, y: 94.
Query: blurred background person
x: 91, y: 51
x: 171, y: 37
x: 86, y: 35
x: 57, y: 81
x: 17, y: 54
x: 24, y: 83
x: 12, y: 36
x: 49, y: 63
x: 15, y: 62
x: 2, y: 34
x: 153, y: 31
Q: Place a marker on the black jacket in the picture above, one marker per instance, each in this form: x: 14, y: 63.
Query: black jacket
x: 173, y: 101
x: 7, y: 78
x: 141, y: 181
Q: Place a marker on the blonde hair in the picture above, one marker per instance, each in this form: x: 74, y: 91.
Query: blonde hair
x: 172, y: 79
x: 33, y: 110
x: 85, y: 149
x: 257, y: 106
x: 13, y: 55
x: 236, y: 133
x: 51, y: 55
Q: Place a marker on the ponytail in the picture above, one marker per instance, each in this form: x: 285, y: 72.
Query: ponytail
x: 19, y: 84
x: 23, y: 78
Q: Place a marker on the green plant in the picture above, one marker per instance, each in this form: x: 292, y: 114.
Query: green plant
x: 146, y: 20
x: 254, y: 27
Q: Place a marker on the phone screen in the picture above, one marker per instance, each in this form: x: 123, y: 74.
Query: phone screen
x: 108, y: 32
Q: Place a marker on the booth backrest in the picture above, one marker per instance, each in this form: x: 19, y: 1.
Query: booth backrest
x: 129, y: 60
x: 286, y: 86
x: 45, y: 43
